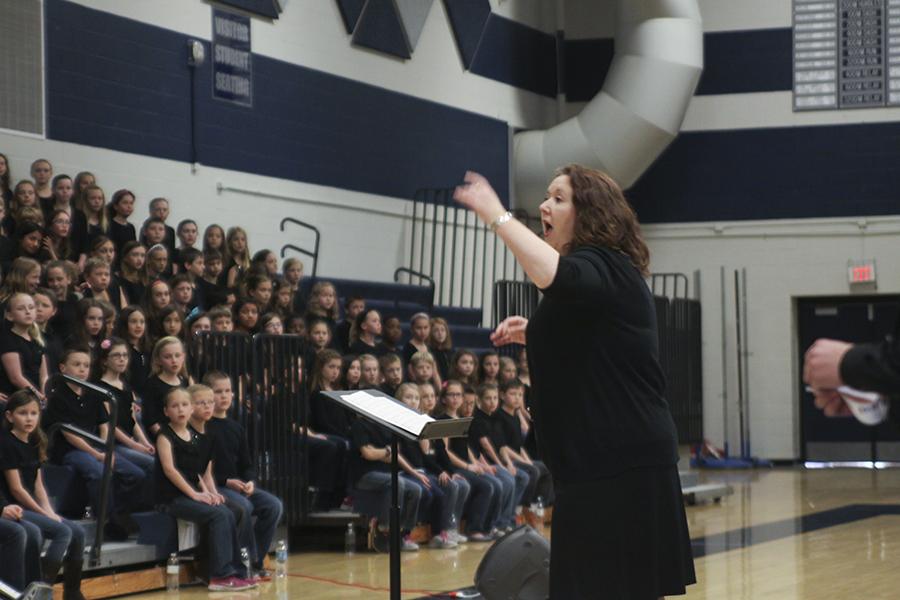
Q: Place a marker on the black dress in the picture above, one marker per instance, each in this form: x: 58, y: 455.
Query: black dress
x: 606, y: 433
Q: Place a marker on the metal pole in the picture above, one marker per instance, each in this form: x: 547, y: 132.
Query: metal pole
x: 395, y: 519
x: 740, y: 365
x: 724, y: 361
x: 746, y: 354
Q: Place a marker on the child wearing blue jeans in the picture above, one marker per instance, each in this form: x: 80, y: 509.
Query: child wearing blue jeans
x: 188, y: 491
x: 235, y: 474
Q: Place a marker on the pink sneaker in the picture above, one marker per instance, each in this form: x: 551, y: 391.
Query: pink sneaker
x: 230, y: 584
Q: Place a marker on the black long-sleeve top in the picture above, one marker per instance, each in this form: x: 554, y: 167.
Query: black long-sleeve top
x: 874, y: 367
x: 231, y: 453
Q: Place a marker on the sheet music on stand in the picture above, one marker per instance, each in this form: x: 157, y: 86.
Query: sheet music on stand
x: 389, y: 412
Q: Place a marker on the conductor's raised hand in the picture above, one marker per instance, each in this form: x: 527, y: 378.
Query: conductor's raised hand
x: 477, y: 195
x: 510, y: 331
x: 822, y: 364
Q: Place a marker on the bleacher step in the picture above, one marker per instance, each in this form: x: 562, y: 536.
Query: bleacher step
x: 119, y: 554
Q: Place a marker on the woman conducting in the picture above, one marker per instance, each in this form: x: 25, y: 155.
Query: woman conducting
x: 601, y: 418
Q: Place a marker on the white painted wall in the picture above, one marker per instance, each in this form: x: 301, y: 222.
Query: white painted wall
x: 784, y: 260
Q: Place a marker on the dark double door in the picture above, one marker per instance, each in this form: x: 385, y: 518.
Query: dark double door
x: 854, y: 319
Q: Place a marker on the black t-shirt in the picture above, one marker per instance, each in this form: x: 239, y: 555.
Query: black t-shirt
x: 507, y: 430
x: 412, y: 452
x: 66, y: 316
x: 120, y: 235
x: 53, y: 350
x: 85, y: 411
x: 360, y: 347
x: 23, y: 456
x: 138, y: 370
x: 366, y: 433
x: 482, y: 426
x: 598, y: 406
x: 341, y: 339
x: 133, y: 290
x: 327, y: 416
x: 231, y: 454
x: 190, y: 457
x: 30, y: 356
x: 458, y: 446
x: 442, y: 361
x: 124, y: 402
x: 154, y: 400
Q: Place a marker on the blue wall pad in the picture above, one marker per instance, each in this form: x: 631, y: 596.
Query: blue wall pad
x: 468, y: 19
x: 305, y: 125
x: 379, y: 28
x: 265, y: 8
x: 518, y: 55
x: 350, y: 11
x: 794, y: 172
x: 736, y: 62
x: 586, y: 63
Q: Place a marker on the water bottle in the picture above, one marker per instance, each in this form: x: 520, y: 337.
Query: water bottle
x: 88, y: 513
x: 350, y: 540
x: 281, y: 588
x: 281, y: 553
x: 453, y: 528
x: 245, y: 560
x: 539, y: 513
x: 172, y: 573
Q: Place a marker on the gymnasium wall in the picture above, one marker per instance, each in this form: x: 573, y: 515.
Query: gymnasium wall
x: 751, y: 184
x: 339, y: 135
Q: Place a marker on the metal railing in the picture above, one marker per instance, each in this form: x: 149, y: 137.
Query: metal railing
x: 423, y: 280
x: 109, y: 446
x: 680, y: 352
x: 459, y: 253
x: 314, y: 253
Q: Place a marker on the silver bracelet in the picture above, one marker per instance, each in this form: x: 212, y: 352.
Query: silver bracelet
x: 504, y: 218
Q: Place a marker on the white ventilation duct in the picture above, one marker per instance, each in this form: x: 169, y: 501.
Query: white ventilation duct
x: 639, y: 111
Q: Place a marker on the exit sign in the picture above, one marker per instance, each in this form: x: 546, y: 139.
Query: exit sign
x: 861, y: 271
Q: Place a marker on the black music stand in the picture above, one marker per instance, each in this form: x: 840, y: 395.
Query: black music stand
x: 401, y: 421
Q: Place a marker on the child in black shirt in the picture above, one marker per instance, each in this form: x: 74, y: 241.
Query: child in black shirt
x: 188, y: 491
x: 68, y: 403
x: 234, y: 472
x: 23, y: 447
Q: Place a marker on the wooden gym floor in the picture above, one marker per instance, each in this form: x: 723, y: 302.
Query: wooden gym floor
x: 785, y: 534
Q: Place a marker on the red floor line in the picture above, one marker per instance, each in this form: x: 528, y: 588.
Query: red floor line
x: 361, y: 586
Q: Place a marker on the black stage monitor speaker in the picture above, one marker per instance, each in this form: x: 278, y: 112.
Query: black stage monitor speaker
x: 516, y: 567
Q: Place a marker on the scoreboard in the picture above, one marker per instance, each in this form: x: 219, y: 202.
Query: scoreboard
x: 846, y: 54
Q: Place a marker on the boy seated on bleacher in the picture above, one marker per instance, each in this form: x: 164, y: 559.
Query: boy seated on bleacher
x: 235, y: 474
x: 68, y: 403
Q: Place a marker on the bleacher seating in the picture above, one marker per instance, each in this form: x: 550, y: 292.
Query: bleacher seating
x: 404, y: 300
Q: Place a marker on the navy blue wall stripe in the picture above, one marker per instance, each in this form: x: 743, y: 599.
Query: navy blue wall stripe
x: 119, y: 84
x: 518, y: 55
x: 735, y: 62
x: 792, y: 172
x: 586, y: 64
x: 265, y: 8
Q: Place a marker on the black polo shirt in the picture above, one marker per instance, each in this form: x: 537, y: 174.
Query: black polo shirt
x: 85, y: 411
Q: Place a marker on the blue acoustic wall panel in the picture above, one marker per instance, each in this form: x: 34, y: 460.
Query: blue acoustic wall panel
x: 735, y: 62
x: 379, y: 28
x: 794, y: 172
x: 350, y: 11
x: 468, y: 18
x: 518, y: 55
x: 305, y: 125
x: 116, y: 83
x: 585, y: 64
